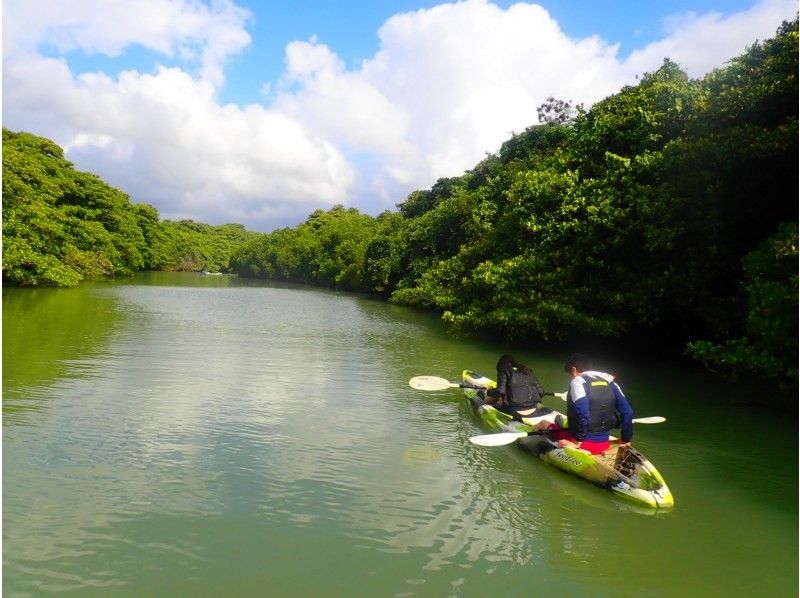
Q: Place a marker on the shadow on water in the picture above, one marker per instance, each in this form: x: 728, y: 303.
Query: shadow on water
x: 45, y: 331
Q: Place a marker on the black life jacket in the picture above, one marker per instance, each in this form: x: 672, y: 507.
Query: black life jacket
x: 602, y: 405
x: 522, y: 391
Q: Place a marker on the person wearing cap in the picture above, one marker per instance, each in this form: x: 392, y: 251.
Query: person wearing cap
x: 595, y: 406
x: 518, y: 390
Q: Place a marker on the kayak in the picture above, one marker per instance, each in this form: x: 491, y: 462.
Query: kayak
x: 622, y: 470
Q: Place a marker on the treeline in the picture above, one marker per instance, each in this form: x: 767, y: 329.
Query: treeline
x: 61, y: 226
x: 667, y: 212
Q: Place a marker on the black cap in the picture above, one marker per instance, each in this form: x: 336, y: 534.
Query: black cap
x: 579, y: 361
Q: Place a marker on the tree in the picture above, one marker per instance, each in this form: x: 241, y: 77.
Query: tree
x: 558, y: 112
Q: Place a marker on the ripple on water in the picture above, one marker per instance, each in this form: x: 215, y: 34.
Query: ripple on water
x: 217, y: 430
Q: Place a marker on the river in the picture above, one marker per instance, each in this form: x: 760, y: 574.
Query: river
x: 180, y: 434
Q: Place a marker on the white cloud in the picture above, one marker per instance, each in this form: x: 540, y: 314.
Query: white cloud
x: 185, y: 29
x: 164, y: 139
x: 447, y: 85
x: 470, y: 73
x: 701, y: 42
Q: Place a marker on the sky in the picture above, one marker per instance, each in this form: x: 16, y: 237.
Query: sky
x: 260, y: 112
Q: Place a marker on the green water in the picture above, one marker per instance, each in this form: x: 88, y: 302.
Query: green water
x: 188, y: 435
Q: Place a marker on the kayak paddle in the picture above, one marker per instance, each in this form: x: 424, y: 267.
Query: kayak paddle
x: 436, y: 383
x: 655, y: 419
x: 503, y: 438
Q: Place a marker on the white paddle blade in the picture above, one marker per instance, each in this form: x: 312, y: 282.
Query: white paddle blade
x: 430, y: 383
x: 560, y: 395
x: 498, y: 439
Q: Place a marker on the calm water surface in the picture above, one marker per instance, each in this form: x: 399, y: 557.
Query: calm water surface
x: 197, y: 435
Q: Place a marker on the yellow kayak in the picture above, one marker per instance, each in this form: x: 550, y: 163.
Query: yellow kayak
x: 622, y: 470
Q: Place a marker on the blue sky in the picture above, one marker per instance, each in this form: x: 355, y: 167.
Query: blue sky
x: 261, y: 112
x: 350, y: 27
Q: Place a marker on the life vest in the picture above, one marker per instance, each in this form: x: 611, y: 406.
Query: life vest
x: 522, y: 392
x: 602, y: 405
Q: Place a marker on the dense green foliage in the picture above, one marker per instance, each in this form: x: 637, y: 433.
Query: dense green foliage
x: 769, y: 342
x: 327, y: 249
x: 668, y: 211
x: 191, y: 246
x: 61, y: 226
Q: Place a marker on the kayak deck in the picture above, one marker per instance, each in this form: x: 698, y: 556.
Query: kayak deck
x: 620, y: 469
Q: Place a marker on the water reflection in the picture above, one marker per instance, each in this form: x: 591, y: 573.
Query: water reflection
x: 222, y: 438
x: 49, y: 334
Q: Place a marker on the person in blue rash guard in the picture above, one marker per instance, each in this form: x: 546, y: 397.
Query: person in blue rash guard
x: 595, y: 406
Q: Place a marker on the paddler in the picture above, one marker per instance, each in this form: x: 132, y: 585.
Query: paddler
x: 595, y: 406
x: 518, y: 390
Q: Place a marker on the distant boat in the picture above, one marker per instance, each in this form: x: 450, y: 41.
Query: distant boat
x: 211, y: 273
